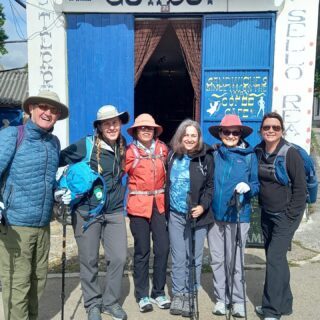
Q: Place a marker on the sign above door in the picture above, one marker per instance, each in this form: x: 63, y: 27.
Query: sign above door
x: 167, y: 6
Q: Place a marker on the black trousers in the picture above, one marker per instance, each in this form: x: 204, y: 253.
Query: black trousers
x: 141, y: 229
x: 278, y: 232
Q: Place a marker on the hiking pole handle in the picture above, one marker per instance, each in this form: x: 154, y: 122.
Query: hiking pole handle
x: 239, y: 200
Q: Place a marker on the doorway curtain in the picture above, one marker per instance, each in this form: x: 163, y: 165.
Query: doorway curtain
x: 146, y: 38
x: 189, y: 35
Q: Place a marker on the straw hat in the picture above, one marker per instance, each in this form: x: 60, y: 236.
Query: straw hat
x: 230, y: 120
x: 145, y: 119
x: 46, y: 97
x: 108, y: 112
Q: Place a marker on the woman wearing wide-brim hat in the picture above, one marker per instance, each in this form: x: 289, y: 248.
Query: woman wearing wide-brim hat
x: 107, y: 158
x: 145, y: 166
x: 236, y: 170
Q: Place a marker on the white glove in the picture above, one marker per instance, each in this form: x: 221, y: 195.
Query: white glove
x: 242, y: 187
x: 66, y: 198
x: 63, y: 195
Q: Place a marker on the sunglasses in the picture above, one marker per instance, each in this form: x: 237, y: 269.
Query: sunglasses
x: 274, y: 128
x: 45, y: 107
x: 146, y: 128
x: 227, y: 133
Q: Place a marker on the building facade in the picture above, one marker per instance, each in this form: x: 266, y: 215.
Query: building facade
x: 199, y: 59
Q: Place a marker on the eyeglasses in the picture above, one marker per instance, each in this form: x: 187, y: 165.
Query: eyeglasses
x: 274, y: 128
x: 146, y: 128
x: 45, y: 107
x: 227, y: 133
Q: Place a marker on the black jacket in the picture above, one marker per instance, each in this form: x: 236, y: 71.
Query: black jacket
x: 275, y: 197
x: 201, y: 183
x: 111, y: 171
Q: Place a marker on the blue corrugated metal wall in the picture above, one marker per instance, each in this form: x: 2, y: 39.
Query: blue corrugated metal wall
x: 237, y: 66
x: 100, y: 67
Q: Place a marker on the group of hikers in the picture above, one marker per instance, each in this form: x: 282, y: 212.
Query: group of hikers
x: 178, y: 194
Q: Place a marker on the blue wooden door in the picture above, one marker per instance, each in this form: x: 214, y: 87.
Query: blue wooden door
x: 237, y: 66
x: 100, y: 67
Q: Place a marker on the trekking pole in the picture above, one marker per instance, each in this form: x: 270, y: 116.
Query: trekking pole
x: 238, y: 202
x: 66, y: 213
x: 193, y: 298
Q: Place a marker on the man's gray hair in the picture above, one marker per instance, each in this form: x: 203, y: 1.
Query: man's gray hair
x: 176, y: 141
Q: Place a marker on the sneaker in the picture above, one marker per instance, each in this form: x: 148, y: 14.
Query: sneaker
x: 176, y: 304
x: 94, y: 313
x: 270, y: 318
x: 162, y: 302
x: 186, y: 308
x: 145, y: 305
x: 115, y: 311
x: 238, y: 310
x: 259, y: 310
x: 219, y: 308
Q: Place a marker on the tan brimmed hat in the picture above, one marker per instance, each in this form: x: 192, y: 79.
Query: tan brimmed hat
x: 108, y: 112
x: 145, y: 119
x: 46, y: 97
x: 230, y: 120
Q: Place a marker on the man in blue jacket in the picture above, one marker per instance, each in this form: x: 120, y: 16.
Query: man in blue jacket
x: 29, y: 160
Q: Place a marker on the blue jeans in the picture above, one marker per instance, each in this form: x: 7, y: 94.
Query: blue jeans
x: 180, y: 245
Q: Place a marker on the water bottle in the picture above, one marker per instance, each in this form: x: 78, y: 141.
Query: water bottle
x: 97, y: 191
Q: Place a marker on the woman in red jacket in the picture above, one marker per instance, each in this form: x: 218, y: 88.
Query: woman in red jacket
x: 145, y: 165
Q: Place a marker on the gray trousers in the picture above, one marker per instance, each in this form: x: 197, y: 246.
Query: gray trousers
x: 180, y: 247
x: 110, y: 229
x: 222, y: 241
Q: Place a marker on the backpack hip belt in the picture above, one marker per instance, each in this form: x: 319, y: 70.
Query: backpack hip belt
x: 147, y: 193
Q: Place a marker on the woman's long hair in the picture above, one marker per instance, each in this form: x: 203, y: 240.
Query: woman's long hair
x: 176, y: 141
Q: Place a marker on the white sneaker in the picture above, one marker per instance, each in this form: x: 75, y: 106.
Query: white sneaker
x: 162, y: 302
x: 238, y: 310
x: 219, y: 308
x: 145, y: 305
x: 259, y: 310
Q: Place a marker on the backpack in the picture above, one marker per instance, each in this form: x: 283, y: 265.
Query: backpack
x: 279, y: 169
x: 79, y: 178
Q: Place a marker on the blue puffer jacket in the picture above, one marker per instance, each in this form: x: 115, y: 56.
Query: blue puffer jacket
x: 30, y: 173
x: 234, y: 165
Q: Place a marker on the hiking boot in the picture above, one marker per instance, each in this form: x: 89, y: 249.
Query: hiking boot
x: 259, y: 311
x: 176, y: 304
x: 145, y: 305
x: 186, y: 308
x: 94, y: 313
x: 238, y: 310
x: 162, y: 302
x: 219, y: 308
x: 115, y: 311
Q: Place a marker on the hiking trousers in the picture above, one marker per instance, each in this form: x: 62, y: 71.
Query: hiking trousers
x: 278, y: 232
x: 181, y: 252
x: 222, y: 242
x: 24, y: 255
x: 110, y: 230
x: 141, y: 228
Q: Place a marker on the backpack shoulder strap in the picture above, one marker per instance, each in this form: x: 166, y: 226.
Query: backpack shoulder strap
x: 20, y: 136
x: 89, y: 148
x: 136, y: 153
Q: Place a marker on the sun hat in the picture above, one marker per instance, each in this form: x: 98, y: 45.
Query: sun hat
x: 230, y: 120
x: 145, y: 119
x: 108, y: 112
x: 46, y: 97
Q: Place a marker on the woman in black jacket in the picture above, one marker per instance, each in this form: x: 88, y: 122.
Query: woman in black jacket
x: 282, y: 207
x: 189, y: 193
